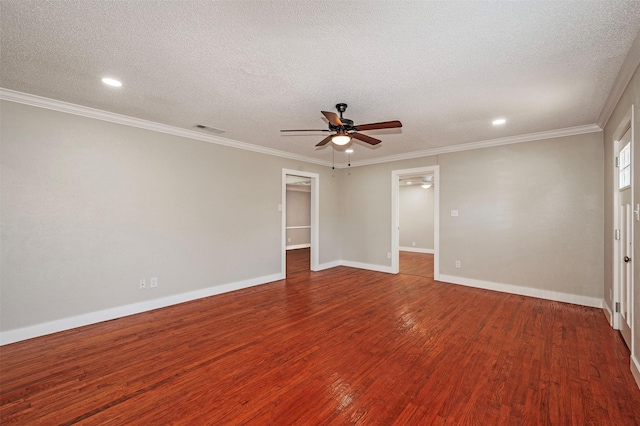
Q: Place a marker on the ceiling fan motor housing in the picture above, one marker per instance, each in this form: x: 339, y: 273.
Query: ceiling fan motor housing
x: 346, y: 125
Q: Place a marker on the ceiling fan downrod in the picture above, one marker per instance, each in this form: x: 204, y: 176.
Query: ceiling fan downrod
x: 341, y: 108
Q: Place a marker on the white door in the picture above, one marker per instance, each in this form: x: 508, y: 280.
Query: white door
x: 626, y: 237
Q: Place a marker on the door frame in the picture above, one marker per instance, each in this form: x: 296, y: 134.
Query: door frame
x: 395, y: 216
x: 315, y: 218
x: 626, y: 123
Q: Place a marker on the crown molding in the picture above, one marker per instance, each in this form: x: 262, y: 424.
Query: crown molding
x: 529, y: 137
x: 69, y: 108
x: 629, y: 67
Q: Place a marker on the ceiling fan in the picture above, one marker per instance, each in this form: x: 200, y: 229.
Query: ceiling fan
x: 345, y: 129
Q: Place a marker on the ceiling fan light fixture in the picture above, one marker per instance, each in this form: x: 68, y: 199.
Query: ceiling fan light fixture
x: 426, y: 185
x: 341, y: 139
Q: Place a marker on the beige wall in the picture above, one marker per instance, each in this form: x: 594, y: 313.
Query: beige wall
x: 416, y: 217
x: 530, y: 214
x: 90, y: 207
x: 631, y: 96
x: 365, y: 205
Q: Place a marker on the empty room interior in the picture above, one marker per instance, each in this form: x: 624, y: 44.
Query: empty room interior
x: 275, y: 212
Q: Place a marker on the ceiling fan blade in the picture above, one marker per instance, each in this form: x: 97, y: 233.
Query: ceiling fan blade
x: 332, y: 117
x: 306, y: 130
x: 365, y: 138
x: 324, y: 141
x: 382, y: 125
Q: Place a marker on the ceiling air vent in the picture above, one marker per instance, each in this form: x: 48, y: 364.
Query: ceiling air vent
x: 209, y: 129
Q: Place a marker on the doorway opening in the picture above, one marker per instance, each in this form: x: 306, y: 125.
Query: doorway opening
x: 415, y: 221
x: 299, y: 221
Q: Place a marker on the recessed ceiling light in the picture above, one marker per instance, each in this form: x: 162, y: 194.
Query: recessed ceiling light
x: 409, y: 182
x: 349, y: 151
x: 498, y: 121
x: 111, y: 82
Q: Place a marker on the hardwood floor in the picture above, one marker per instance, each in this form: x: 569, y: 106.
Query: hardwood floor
x: 298, y: 261
x: 341, y: 346
x: 420, y: 264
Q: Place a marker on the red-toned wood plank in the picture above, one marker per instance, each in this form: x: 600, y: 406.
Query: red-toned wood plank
x: 339, y: 346
x: 420, y: 264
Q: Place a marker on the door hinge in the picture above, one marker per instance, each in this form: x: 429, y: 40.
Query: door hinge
x: 617, y: 307
x: 618, y: 162
x: 616, y: 234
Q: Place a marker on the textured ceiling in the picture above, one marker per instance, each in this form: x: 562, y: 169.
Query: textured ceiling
x: 445, y: 69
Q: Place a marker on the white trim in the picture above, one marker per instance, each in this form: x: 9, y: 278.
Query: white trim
x: 607, y: 312
x: 633, y: 226
x: 298, y: 188
x: 593, y: 302
x: 417, y: 250
x: 69, y: 108
x: 19, y: 334
x: 315, y: 218
x: 350, y: 264
x: 629, y: 66
x: 298, y: 246
x: 615, y: 323
x: 60, y: 106
x: 328, y: 265
x: 530, y: 137
x: 367, y: 266
x: 625, y: 123
x: 395, y: 216
x: 635, y: 369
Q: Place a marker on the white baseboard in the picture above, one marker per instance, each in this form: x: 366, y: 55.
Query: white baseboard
x: 16, y: 335
x: 368, y: 266
x: 328, y: 265
x: 635, y: 369
x: 416, y: 250
x: 11, y: 336
x: 593, y: 302
x: 298, y: 246
x: 607, y: 312
x: 350, y: 264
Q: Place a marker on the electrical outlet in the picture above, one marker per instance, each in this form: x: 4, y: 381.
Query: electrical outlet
x: 413, y: 243
x: 288, y: 240
x: 153, y: 282
x: 143, y: 284
x: 388, y: 255
x: 458, y: 264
